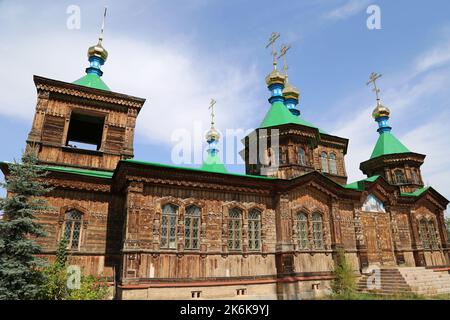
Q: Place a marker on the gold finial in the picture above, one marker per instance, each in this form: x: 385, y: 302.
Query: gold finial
x: 98, y: 50
x: 380, y: 110
x: 272, y: 40
x: 212, y: 134
x: 373, y: 79
x: 284, y: 49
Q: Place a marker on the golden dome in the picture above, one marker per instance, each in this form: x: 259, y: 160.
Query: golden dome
x: 98, y: 51
x: 275, y: 78
x: 212, y: 134
x: 381, y: 111
x: 291, y: 92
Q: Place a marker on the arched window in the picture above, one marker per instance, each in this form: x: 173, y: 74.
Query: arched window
x: 72, y: 229
x: 432, y: 235
x: 169, y: 226
x: 324, y: 161
x: 301, y: 157
x: 423, y: 233
x: 333, y: 168
x: 234, y: 229
x: 302, y: 231
x: 192, y: 226
x: 254, y: 230
x: 399, y: 177
x: 317, y: 231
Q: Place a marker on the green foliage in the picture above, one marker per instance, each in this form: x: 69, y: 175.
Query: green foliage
x: 20, y: 277
x: 91, y: 288
x: 344, y: 282
x: 56, y: 277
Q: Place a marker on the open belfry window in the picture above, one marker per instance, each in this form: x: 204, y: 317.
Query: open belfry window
x: 85, y: 131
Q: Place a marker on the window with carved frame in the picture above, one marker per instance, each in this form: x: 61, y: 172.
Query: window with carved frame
x: 72, y: 229
x: 301, y: 157
x: 434, y: 243
x: 254, y: 229
x: 302, y: 231
x: 169, y: 220
x: 399, y: 176
x: 324, y: 162
x: 235, y: 229
x: 192, y: 227
x: 317, y: 229
x: 423, y: 233
x: 332, y: 161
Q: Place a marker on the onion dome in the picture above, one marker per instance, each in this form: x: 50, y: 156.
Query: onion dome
x: 275, y: 77
x: 291, y: 92
x: 98, y: 51
x: 380, y: 111
x: 97, y: 55
x: 212, y: 135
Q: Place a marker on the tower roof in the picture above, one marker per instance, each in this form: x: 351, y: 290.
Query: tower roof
x: 278, y: 115
x: 92, y: 80
x: 388, y: 144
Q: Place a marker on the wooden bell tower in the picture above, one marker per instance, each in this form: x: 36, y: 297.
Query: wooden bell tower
x: 82, y: 127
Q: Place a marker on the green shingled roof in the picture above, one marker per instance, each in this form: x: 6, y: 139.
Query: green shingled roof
x: 388, y: 144
x: 154, y: 164
x: 279, y: 114
x: 213, y: 164
x: 92, y: 80
x: 359, y: 185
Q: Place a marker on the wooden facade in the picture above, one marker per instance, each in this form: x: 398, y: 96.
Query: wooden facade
x: 304, y: 213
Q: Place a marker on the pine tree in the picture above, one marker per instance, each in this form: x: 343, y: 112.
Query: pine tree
x: 20, y: 277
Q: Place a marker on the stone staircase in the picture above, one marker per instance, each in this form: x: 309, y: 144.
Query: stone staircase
x: 405, y: 280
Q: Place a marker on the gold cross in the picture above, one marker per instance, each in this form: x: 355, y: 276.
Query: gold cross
x: 211, y: 106
x: 373, y: 79
x: 103, y: 25
x: 272, y: 40
x: 284, y: 50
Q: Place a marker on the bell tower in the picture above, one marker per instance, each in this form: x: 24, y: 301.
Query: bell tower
x: 84, y: 124
x: 391, y: 158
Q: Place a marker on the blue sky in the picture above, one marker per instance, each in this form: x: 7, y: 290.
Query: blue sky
x: 179, y: 54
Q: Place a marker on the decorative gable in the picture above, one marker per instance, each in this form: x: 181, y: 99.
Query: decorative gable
x: 372, y: 204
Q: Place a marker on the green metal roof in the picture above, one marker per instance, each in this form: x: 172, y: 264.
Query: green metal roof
x: 82, y: 172
x: 279, y: 114
x: 388, y: 144
x: 359, y: 185
x: 92, y: 80
x: 213, y: 164
x: 154, y: 164
x: 416, y: 193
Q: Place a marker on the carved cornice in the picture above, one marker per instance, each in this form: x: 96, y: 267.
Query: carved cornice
x: 69, y: 89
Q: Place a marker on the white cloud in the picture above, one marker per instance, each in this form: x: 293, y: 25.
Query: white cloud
x: 349, y: 9
x: 177, y: 78
x: 435, y: 57
x: 412, y: 97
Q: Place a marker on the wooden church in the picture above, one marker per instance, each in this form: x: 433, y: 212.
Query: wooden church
x: 169, y: 232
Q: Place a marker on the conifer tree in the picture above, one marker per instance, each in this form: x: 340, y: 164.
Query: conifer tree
x: 20, y: 277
